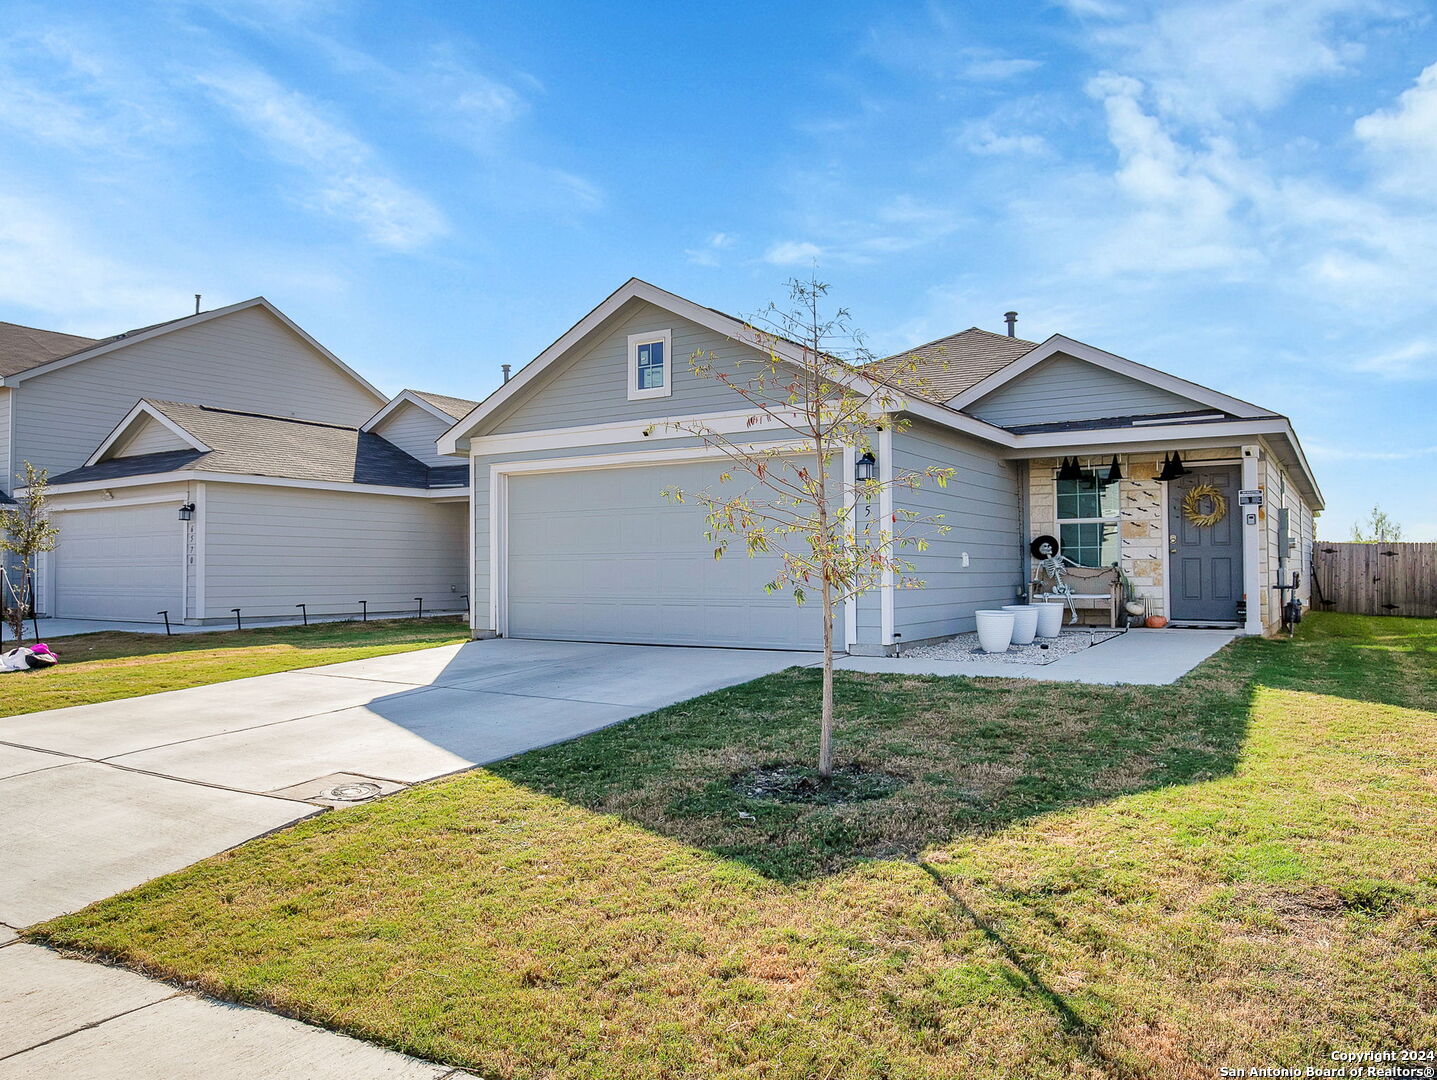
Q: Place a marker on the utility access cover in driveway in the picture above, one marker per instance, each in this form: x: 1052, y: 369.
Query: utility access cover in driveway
x: 179, y: 776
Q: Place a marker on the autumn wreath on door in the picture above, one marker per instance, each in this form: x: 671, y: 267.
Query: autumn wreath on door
x: 1204, y: 506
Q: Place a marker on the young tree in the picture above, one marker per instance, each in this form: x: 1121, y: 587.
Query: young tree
x: 25, y: 531
x: 814, y: 382
x: 1379, y: 528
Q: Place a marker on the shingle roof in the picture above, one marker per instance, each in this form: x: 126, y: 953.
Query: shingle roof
x: 253, y: 444
x: 25, y: 347
x: 946, y: 367
x: 456, y: 407
x: 1193, y: 416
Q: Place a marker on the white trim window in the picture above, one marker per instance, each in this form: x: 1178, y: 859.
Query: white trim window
x: 651, y: 365
x: 1087, y: 518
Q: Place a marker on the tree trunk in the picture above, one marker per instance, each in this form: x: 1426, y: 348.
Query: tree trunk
x: 825, y: 727
x: 825, y: 724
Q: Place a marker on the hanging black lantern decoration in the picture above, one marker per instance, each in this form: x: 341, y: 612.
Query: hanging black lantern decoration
x: 1070, y: 470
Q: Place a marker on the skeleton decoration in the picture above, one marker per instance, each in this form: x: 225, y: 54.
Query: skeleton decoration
x: 1052, y: 564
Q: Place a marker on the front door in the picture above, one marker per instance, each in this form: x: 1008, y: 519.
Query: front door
x: 1205, y: 545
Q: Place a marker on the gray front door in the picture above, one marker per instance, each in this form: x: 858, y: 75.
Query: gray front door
x: 1205, y: 561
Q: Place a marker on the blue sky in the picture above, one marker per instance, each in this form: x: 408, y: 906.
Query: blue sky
x: 1244, y: 194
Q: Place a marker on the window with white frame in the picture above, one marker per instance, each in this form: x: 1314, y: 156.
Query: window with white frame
x: 650, y: 365
x: 1088, y: 518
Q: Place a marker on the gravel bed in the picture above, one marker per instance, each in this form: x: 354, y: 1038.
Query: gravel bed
x: 1042, y: 651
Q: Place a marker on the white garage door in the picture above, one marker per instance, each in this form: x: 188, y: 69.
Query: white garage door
x: 599, y: 556
x: 120, y: 562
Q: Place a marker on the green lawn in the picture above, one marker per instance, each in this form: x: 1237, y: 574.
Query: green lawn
x: 1074, y: 882
x: 107, y: 666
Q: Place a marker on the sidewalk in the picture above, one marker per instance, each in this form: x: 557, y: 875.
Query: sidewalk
x: 82, y: 1021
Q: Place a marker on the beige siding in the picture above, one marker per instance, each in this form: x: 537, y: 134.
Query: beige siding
x: 247, y: 360
x: 415, y: 431
x: 270, y: 548
x: 592, y: 387
x: 149, y: 437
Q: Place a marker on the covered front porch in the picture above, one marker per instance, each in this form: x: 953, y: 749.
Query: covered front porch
x: 1199, y: 534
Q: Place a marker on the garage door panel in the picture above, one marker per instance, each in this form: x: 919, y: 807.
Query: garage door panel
x: 122, y: 562
x: 599, y: 555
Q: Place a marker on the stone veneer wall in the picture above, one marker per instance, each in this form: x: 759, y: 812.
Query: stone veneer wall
x: 1142, y: 544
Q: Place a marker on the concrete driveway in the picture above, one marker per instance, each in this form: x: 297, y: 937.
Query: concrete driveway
x: 98, y: 798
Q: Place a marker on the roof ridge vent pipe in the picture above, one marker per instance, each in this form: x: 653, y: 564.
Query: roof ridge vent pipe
x: 1011, y: 318
x: 505, y: 368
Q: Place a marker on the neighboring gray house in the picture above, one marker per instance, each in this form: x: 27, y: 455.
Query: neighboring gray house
x: 571, y: 539
x: 264, y: 438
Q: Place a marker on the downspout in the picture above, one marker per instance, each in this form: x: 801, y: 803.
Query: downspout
x: 1025, y: 557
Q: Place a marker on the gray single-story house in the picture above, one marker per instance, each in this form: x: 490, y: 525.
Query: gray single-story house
x: 570, y: 538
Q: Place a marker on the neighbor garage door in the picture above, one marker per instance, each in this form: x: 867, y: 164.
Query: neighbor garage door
x: 120, y: 562
x: 597, y: 555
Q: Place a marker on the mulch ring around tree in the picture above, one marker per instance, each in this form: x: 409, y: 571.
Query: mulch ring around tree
x: 792, y: 783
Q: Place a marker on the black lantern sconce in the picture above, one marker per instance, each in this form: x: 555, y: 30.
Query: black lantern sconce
x: 865, y: 468
x: 187, y: 512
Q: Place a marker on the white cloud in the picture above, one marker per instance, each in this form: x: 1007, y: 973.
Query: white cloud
x: 982, y: 137
x: 793, y: 253
x: 1205, y: 60
x: 996, y: 69
x: 1403, y: 139
x: 65, y: 90
x: 346, y: 179
x: 1415, y: 360
x: 1180, y: 200
x: 902, y: 224
x: 708, y: 253
x: 46, y: 266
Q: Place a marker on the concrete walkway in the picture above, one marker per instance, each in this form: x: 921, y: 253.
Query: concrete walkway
x: 1143, y: 657
x: 99, y: 798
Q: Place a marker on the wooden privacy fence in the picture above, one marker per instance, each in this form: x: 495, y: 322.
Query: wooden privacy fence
x: 1375, y: 579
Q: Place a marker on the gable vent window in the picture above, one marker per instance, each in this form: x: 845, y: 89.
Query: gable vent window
x: 650, y: 365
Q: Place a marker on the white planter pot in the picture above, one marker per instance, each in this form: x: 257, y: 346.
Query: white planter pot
x: 995, y: 630
x: 1050, y: 619
x: 1025, y: 623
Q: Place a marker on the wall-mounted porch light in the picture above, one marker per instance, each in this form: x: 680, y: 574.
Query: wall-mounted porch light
x: 865, y: 468
x: 187, y: 512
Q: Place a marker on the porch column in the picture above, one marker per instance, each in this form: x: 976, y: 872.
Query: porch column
x: 1252, y: 518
